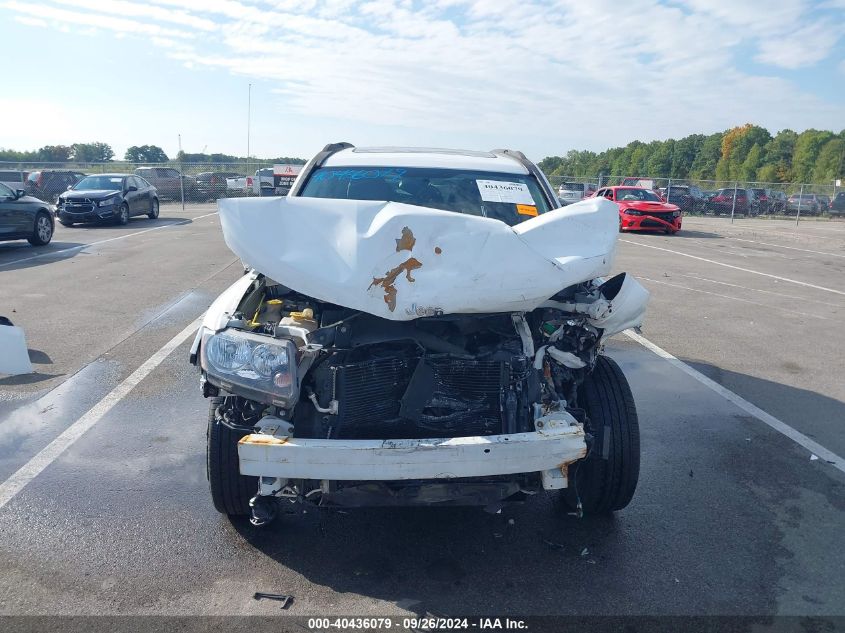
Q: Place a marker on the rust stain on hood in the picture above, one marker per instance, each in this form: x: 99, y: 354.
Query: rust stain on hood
x: 387, y: 282
x: 407, y: 241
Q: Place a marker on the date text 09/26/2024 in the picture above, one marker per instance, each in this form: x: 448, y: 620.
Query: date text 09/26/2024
x: 416, y: 624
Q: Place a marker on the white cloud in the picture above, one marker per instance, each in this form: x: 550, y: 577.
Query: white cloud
x: 64, y: 17
x: 602, y: 72
x: 30, y: 21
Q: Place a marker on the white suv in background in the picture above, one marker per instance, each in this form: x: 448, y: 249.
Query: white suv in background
x: 570, y: 192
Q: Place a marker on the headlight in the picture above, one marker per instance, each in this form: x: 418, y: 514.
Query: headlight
x: 228, y: 353
x: 632, y: 212
x: 675, y: 214
x: 107, y: 202
x: 251, y: 365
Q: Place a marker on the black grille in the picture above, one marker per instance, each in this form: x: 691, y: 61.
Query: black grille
x: 466, y: 398
x: 79, y: 206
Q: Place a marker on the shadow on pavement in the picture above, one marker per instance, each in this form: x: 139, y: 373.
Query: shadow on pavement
x: 717, y: 491
x: 27, y: 256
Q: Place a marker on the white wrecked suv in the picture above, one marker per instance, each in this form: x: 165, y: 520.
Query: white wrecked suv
x: 419, y: 326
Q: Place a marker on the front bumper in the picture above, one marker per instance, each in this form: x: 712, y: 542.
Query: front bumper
x: 99, y: 214
x: 266, y: 455
x: 649, y: 223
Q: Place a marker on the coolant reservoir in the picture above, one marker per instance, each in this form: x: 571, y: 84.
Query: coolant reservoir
x: 304, y: 319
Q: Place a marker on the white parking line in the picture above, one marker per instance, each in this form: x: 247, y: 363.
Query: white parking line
x: 781, y: 427
x: 792, y: 248
x: 768, y: 292
x: 745, y: 270
x: 111, y: 239
x: 46, y: 456
x: 716, y: 294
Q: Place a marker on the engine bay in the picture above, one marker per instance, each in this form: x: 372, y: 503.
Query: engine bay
x: 365, y: 377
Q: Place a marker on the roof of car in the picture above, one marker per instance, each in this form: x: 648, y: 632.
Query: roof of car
x: 425, y: 157
x: 112, y: 175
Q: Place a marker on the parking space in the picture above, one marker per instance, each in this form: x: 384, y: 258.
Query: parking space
x: 731, y: 516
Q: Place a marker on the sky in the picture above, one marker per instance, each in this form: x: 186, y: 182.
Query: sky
x: 543, y: 77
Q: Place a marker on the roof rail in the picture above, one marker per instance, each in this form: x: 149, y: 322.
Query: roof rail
x: 321, y: 157
x: 533, y: 170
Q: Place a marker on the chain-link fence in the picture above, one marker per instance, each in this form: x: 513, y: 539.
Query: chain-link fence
x: 720, y: 197
x: 174, y: 181
x: 206, y: 182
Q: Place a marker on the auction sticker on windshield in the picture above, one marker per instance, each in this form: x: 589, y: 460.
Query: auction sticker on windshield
x: 507, y: 192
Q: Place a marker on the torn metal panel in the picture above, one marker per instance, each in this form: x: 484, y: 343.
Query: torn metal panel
x: 394, y: 260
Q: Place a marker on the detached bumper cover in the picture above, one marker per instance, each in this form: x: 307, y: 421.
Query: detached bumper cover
x: 649, y: 223
x: 389, y: 460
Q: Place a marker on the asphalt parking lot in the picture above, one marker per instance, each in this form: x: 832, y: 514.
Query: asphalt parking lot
x: 733, y: 515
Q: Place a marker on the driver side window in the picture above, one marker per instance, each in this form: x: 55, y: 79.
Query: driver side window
x: 6, y: 192
x: 609, y: 194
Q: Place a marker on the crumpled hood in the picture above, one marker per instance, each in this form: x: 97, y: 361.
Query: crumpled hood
x: 91, y: 194
x: 400, y: 261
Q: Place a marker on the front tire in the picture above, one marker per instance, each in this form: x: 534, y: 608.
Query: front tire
x: 230, y: 491
x: 42, y: 230
x: 123, y: 214
x: 606, y: 479
x: 154, y: 209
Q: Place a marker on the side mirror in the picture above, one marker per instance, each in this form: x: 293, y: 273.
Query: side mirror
x: 19, y: 193
x: 131, y: 188
x: 69, y: 187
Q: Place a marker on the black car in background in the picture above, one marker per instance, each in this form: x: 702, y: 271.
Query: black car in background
x: 211, y: 185
x: 837, y: 207
x: 688, y: 198
x: 107, y: 198
x: 804, y: 203
x: 47, y: 184
x: 777, y: 201
x: 23, y: 217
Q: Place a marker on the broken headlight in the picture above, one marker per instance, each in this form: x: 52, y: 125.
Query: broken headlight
x: 254, y: 366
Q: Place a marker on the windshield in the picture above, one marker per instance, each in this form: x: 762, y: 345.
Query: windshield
x: 510, y: 198
x: 109, y: 183
x: 636, y: 194
x: 573, y: 186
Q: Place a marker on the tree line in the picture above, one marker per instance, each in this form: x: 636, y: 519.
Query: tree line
x: 98, y: 152
x: 746, y: 153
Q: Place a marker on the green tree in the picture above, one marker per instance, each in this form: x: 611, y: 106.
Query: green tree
x: 808, y: 146
x: 145, y: 154
x: 751, y: 164
x: 659, y: 161
x: 736, y: 145
x: 96, y: 152
x: 54, y: 153
x: 683, y: 155
x: 704, y: 165
x: 830, y: 162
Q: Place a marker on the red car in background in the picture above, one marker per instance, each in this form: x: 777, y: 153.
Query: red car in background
x: 641, y: 209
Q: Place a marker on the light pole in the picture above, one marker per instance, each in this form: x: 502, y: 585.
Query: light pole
x: 248, y: 117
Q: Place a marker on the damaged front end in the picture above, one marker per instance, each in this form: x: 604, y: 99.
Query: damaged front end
x: 382, y: 363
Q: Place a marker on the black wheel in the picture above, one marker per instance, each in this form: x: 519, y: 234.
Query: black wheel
x: 123, y: 214
x: 230, y: 491
x: 153, y: 214
x: 42, y: 230
x: 606, y: 480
